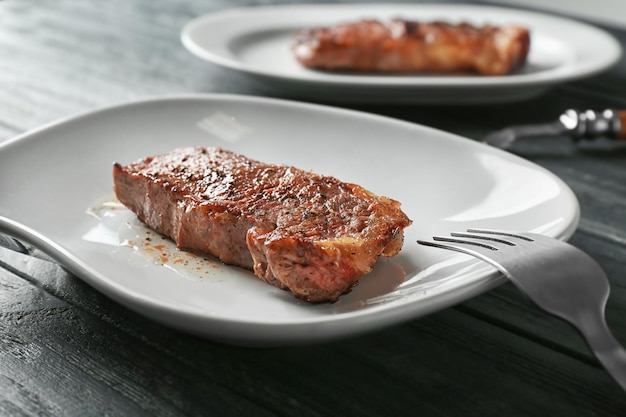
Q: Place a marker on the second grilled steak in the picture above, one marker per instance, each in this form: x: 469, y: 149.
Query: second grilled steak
x: 310, y: 234
x: 401, y: 46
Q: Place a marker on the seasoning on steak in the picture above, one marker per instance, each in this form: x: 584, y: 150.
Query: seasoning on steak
x: 310, y: 234
x: 401, y: 46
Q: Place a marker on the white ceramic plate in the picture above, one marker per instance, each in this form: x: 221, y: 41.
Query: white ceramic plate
x: 56, y: 186
x: 256, y: 42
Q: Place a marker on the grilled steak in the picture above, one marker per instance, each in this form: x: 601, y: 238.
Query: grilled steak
x: 310, y: 234
x: 400, y: 45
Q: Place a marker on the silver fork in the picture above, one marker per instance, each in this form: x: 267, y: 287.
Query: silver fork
x: 559, y: 278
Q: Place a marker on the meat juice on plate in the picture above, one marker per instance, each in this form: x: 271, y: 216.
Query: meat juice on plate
x: 119, y: 227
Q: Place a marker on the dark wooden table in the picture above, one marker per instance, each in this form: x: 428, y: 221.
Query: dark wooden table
x: 66, y: 350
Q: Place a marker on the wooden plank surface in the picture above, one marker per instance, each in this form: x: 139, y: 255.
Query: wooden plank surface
x: 66, y: 350
x: 61, y: 328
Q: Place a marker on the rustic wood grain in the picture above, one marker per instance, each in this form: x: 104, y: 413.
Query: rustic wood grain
x: 129, y: 364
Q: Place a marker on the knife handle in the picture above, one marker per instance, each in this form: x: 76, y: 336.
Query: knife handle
x: 622, y: 119
x: 591, y: 124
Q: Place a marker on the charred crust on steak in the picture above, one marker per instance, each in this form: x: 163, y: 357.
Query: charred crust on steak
x: 307, y: 233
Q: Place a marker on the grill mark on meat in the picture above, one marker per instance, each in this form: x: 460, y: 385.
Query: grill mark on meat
x: 310, y: 234
x: 401, y: 46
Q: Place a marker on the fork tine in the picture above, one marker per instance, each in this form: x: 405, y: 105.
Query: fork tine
x: 469, y: 247
x: 501, y: 233
x: 456, y: 247
x: 478, y: 242
x: 493, y: 240
x: 478, y: 250
x: 482, y: 247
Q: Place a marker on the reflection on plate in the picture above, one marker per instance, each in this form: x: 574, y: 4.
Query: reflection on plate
x: 443, y: 181
x: 256, y: 42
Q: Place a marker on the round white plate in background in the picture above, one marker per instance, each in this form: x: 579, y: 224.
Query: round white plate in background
x: 257, y: 41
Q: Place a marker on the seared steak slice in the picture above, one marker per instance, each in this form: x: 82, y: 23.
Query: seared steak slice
x: 313, y: 235
x: 408, y: 46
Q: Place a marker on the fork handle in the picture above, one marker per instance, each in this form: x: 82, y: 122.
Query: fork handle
x: 606, y: 348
